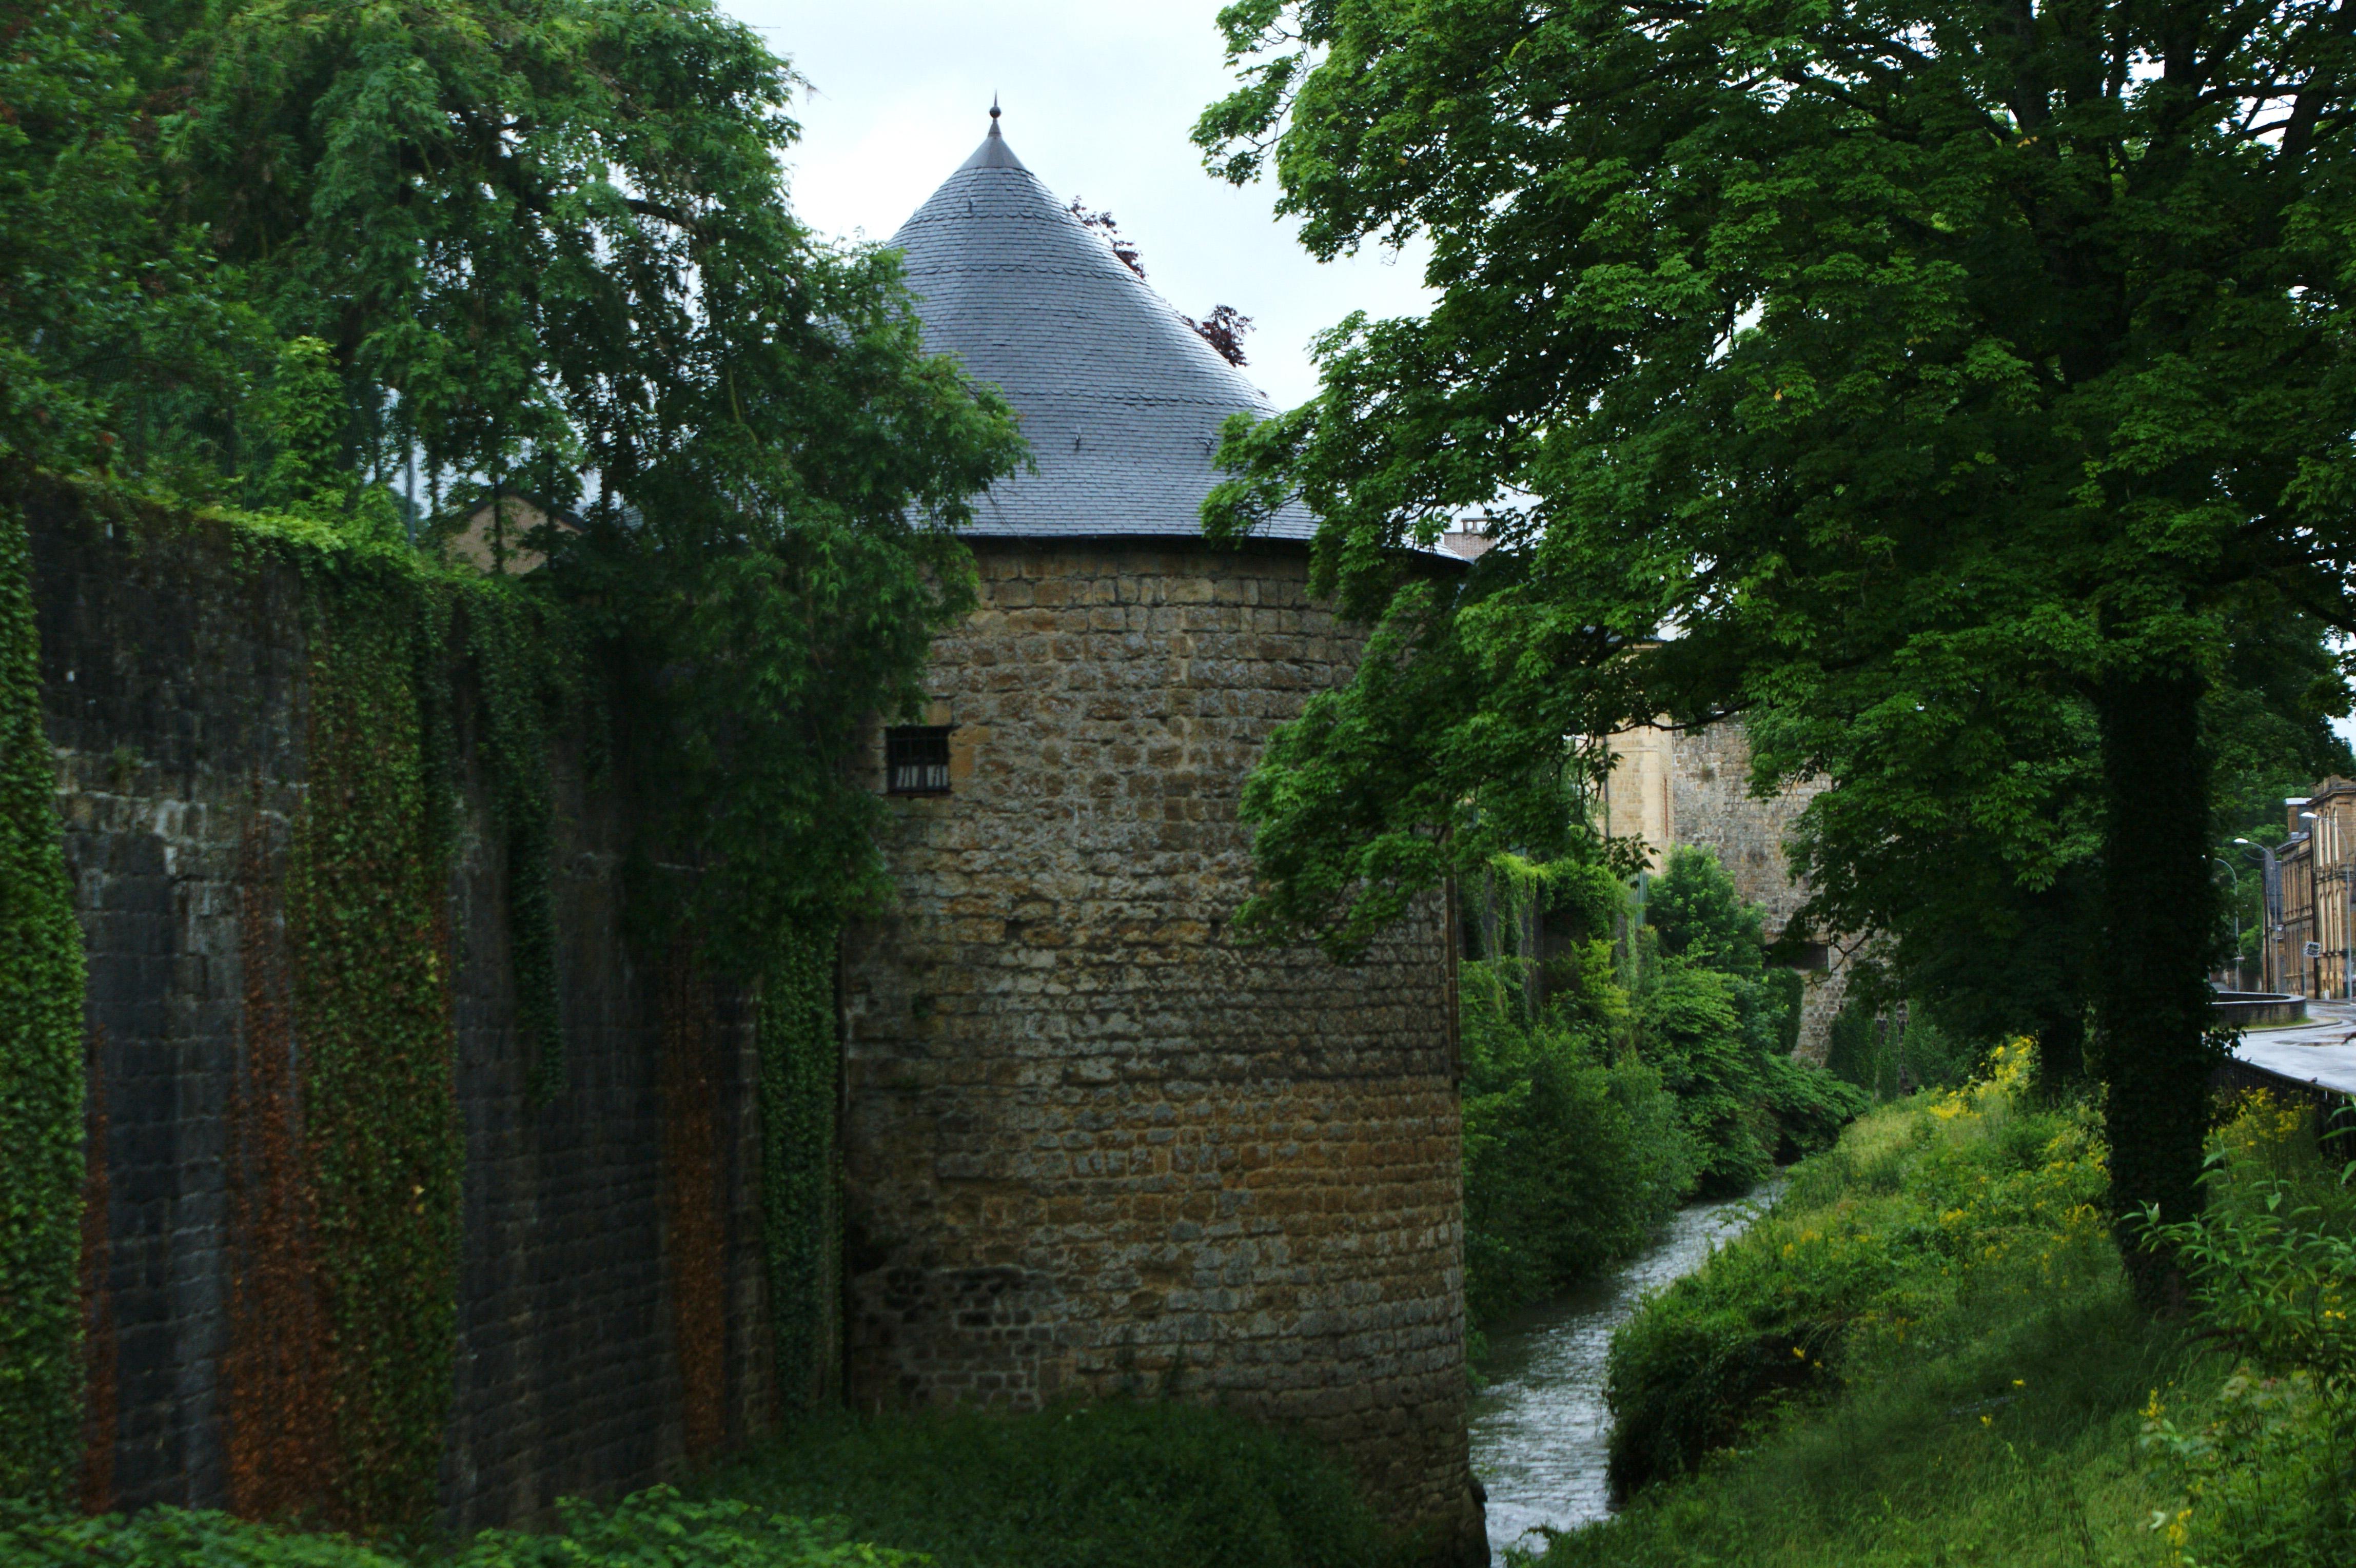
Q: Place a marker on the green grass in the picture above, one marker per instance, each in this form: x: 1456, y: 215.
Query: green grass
x: 656, y: 1529
x: 2020, y: 1449
x: 1968, y: 1406
x: 1136, y: 1485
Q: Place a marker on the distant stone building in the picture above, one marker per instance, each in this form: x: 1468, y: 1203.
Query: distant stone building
x: 2311, y: 894
x: 1673, y: 787
x: 492, y: 539
x: 1091, y: 1146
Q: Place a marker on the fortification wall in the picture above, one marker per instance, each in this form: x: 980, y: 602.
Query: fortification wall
x: 1092, y: 1146
x: 1710, y: 782
x: 175, y: 684
x: 1712, y: 808
x: 1673, y: 787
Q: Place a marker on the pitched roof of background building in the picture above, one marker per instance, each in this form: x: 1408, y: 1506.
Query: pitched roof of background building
x: 1121, y: 398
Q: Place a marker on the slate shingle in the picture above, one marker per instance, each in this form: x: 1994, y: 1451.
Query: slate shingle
x: 1121, y: 398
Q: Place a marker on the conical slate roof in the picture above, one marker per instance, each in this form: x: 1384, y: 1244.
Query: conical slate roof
x: 1121, y: 398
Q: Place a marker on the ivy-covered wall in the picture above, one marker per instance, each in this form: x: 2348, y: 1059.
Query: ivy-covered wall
x: 40, y: 1075
x: 415, y: 1205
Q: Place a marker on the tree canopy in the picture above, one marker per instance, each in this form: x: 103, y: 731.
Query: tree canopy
x: 391, y: 261
x: 1895, y: 370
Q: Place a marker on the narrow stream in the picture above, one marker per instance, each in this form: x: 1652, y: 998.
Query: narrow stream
x: 1539, y: 1429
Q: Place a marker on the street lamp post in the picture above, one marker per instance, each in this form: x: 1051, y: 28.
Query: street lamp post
x: 2235, y: 873
x: 2270, y: 895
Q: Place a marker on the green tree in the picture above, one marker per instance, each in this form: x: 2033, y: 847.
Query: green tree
x: 1828, y: 336
x: 103, y: 306
x: 1721, y: 1025
x: 547, y: 247
x: 1574, y: 1151
x: 1700, y: 917
x: 479, y: 247
x: 1963, y: 832
x: 286, y: 254
x: 1966, y: 830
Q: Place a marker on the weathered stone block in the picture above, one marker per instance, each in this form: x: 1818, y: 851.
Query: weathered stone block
x: 1295, y: 1198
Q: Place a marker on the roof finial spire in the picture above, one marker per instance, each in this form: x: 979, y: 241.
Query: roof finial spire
x: 993, y: 113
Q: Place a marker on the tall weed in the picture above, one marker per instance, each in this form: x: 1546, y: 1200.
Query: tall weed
x: 1901, y: 1239
x: 2268, y: 1466
x: 1144, y: 1485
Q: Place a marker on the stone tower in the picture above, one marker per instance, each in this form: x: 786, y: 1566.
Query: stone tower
x: 1091, y: 1146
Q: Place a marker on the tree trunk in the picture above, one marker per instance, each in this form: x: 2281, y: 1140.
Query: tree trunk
x: 2059, y: 1068
x: 2150, y: 978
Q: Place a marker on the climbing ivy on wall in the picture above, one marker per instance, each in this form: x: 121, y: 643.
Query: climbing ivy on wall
x: 345, y: 1137
x: 277, y: 1430
x: 40, y: 1072
x: 366, y: 911
x: 799, y: 1207
x: 520, y: 658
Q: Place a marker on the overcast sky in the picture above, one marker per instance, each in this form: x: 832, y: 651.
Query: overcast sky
x: 1098, y: 100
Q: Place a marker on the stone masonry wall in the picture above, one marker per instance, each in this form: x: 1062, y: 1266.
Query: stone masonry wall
x: 174, y: 680
x: 1712, y: 806
x: 1093, y: 1146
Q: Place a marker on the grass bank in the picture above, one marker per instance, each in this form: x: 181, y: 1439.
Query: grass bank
x: 1927, y: 1356
x: 1139, y: 1485
x: 1143, y: 1486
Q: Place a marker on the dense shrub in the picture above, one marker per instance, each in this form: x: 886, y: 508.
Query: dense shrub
x: 1693, y: 1031
x: 1721, y: 1025
x: 1881, y: 1242
x: 2268, y: 1467
x: 1143, y: 1485
x: 655, y: 1529
x: 1890, y: 1062
x: 1809, y: 1105
x: 1571, y: 1158
x: 1133, y: 1483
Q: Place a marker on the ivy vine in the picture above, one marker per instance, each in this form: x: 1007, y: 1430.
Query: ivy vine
x: 41, y: 1072
x: 396, y: 643
x: 520, y: 652
x: 800, y: 1057
x: 367, y: 921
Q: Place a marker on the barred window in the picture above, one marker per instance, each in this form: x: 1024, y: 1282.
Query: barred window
x: 916, y: 759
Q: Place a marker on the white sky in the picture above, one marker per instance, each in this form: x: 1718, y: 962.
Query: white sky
x: 1098, y: 100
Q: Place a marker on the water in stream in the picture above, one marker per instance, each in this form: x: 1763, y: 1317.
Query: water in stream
x: 1540, y: 1426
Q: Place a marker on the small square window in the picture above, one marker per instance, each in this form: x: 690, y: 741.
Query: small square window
x: 916, y: 759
